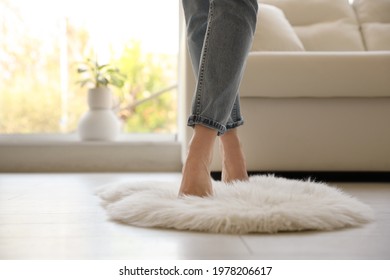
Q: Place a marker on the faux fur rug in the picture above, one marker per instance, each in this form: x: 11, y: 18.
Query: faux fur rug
x: 265, y: 204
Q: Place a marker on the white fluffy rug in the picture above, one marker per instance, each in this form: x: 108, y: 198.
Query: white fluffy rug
x: 264, y: 204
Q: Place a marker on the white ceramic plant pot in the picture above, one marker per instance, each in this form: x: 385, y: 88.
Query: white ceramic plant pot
x: 100, y: 98
x: 100, y: 123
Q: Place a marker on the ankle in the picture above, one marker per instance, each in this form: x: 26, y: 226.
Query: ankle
x: 229, y: 139
x: 233, y: 159
x: 202, y: 143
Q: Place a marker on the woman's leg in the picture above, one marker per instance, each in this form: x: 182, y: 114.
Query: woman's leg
x: 233, y: 160
x: 196, y: 178
x: 196, y: 13
x: 196, y: 173
x: 227, y: 37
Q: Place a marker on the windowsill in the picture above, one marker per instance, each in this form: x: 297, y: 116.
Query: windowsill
x: 54, y: 139
x: 66, y: 153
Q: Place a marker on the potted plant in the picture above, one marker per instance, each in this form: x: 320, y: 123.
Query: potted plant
x: 100, y: 122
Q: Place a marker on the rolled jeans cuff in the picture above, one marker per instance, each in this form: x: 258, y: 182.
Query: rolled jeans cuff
x: 194, y: 119
x: 221, y: 129
x: 231, y: 125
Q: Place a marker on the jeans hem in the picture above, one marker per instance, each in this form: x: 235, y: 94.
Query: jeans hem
x: 234, y: 124
x: 194, y: 119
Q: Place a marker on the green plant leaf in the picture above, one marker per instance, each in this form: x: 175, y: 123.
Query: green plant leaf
x: 81, y: 70
x: 102, y: 81
x: 100, y: 67
x: 100, y: 75
x: 117, y: 82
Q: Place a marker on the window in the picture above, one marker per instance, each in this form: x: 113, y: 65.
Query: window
x: 42, y: 42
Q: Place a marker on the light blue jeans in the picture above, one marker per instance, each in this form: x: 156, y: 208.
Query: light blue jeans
x: 219, y: 37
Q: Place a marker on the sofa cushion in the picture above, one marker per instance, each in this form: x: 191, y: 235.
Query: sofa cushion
x: 372, y: 10
x: 307, y: 12
x: 376, y: 36
x: 330, y: 36
x: 323, y: 25
x: 274, y: 32
x: 374, y: 17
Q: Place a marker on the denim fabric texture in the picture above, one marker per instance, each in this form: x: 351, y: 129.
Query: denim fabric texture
x: 219, y: 37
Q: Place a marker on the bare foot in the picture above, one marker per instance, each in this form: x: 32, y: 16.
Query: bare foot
x: 233, y: 160
x: 196, y: 178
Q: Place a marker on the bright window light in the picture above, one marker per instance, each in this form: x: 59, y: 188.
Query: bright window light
x: 42, y: 42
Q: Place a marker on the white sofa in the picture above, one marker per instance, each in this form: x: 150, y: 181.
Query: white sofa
x: 316, y: 90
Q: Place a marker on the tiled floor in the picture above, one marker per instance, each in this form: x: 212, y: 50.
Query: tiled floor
x: 57, y: 216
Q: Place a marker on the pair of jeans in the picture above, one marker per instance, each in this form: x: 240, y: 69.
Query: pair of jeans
x: 219, y: 38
